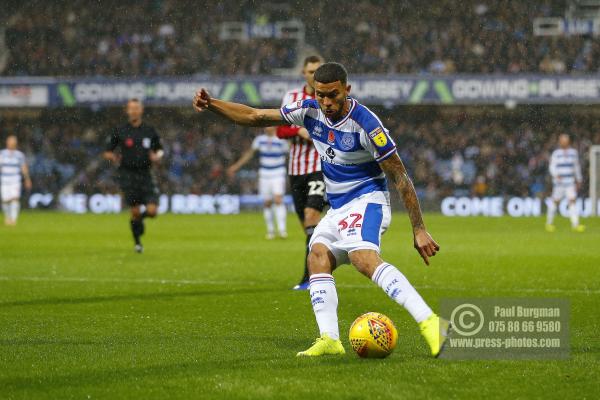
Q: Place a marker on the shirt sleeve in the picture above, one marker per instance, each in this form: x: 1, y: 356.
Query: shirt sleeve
x: 377, y: 140
x: 155, y: 143
x: 286, y: 131
x: 294, y: 113
x: 112, y: 141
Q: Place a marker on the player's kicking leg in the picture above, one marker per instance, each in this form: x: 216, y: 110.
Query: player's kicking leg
x: 324, y: 299
x: 335, y: 243
x: 433, y: 328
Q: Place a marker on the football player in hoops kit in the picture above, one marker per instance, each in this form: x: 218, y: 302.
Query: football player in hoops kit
x: 358, y: 156
x: 272, y: 152
x: 565, y: 171
x: 13, y: 170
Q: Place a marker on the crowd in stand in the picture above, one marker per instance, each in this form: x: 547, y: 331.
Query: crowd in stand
x: 461, y: 153
x: 168, y: 37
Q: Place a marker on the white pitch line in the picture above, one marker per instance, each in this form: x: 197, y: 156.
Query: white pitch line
x: 253, y: 283
x: 118, y: 280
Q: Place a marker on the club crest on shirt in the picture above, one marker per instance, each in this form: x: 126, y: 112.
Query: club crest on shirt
x: 379, y: 137
x: 347, y: 141
x: 331, y: 137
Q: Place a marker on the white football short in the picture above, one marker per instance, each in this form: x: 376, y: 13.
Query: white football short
x: 356, y: 226
x: 10, y: 191
x: 268, y: 187
x: 560, y: 192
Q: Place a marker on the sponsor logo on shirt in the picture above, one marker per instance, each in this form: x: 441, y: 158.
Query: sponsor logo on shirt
x: 317, y: 131
x: 330, y: 153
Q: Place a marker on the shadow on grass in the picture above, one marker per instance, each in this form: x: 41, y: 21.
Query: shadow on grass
x: 138, y: 296
x: 162, y: 372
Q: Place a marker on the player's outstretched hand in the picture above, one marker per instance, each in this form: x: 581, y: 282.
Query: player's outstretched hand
x: 201, y: 100
x: 425, y: 245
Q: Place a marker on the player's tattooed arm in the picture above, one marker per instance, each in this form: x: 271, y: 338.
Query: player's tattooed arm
x: 238, y: 113
x: 394, y: 169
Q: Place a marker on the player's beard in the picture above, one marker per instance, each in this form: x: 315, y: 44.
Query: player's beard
x: 339, y: 114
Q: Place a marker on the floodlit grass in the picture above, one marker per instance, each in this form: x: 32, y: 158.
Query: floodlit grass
x: 207, y: 310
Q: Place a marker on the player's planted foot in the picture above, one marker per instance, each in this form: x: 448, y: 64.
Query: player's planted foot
x: 302, y: 285
x: 270, y: 236
x: 283, y: 235
x: 550, y: 228
x: 139, y: 248
x: 578, y: 228
x: 323, y: 346
x: 435, y: 330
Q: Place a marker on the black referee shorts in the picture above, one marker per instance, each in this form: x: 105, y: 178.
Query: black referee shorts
x: 138, y: 187
x: 308, y: 191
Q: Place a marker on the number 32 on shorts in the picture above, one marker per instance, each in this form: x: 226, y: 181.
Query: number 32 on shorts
x: 316, y: 188
x: 350, y: 222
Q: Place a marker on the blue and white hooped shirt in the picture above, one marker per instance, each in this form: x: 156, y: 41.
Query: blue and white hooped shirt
x: 272, y: 153
x: 350, y: 149
x: 11, y: 164
x: 564, y: 167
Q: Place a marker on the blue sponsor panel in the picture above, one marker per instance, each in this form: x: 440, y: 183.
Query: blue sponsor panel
x: 386, y: 90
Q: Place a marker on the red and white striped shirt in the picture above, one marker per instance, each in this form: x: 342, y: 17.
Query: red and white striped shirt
x: 304, y: 158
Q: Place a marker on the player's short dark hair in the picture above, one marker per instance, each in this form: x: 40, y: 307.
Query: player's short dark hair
x: 331, y: 72
x: 134, y: 100
x: 312, y: 59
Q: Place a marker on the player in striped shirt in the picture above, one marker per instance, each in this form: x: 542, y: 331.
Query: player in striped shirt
x: 272, y: 153
x: 304, y: 167
x: 565, y: 171
x: 357, y: 157
x: 13, y: 168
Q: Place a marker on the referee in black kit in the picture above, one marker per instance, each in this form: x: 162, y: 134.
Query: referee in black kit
x: 139, y: 146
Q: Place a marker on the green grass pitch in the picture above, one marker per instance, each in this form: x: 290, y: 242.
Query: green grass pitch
x: 207, y: 311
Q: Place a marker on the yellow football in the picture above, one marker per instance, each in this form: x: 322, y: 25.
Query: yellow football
x: 373, y: 335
